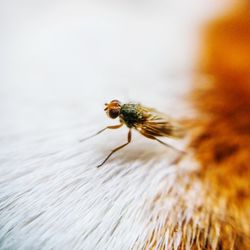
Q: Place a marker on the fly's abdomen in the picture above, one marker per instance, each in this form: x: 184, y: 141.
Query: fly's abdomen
x: 131, y: 114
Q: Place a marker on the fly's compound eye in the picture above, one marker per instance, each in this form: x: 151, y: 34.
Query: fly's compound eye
x: 114, y: 113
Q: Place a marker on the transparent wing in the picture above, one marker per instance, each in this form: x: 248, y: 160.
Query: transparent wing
x: 157, y: 124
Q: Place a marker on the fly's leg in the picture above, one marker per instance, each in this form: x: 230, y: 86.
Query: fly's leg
x: 116, y: 149
x: 99, y: 132
x: 180, y: 152
x: 168, y: 145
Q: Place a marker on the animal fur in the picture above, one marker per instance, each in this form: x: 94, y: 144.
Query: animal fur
x: 222, y: 145
x: 57, y: 78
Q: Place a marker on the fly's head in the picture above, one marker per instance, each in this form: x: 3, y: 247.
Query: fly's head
x: 113, y: 109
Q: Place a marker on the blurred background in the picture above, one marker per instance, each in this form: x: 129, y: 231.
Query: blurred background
x: 61, y: 60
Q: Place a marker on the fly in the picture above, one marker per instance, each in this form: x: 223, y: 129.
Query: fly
x: 147, y: 121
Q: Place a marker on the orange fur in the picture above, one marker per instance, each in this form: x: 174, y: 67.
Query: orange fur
x: 222, y: 143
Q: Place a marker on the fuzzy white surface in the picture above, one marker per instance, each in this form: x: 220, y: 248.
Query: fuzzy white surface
x: 60, y: 62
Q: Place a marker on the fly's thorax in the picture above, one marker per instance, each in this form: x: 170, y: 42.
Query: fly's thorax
x: 131, y: 114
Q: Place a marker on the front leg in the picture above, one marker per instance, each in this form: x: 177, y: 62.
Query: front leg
x: 99, y: 132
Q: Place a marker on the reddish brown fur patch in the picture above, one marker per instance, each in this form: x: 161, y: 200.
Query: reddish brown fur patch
x: 222, y: 139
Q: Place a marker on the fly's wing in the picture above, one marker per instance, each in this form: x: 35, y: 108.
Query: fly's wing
x: 157, y: 124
